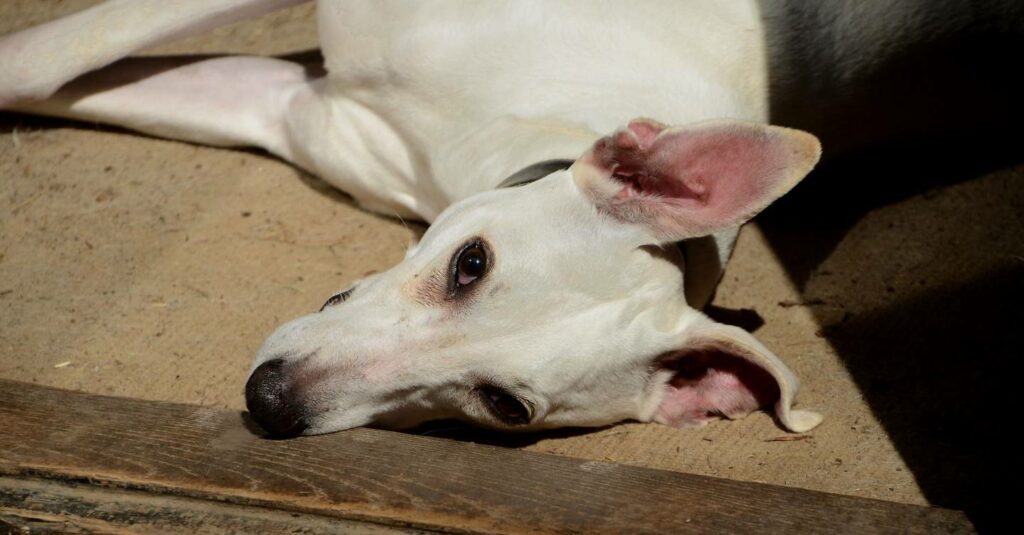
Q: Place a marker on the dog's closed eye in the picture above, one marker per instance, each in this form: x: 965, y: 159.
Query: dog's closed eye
x: 337, y: 298
x: 505, y: 406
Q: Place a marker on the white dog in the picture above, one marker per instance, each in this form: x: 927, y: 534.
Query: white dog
x: 559, y: 302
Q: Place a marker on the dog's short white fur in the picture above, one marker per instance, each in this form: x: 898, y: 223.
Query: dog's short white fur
x: 557, y: 303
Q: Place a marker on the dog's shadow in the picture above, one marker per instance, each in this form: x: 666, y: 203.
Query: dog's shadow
x: 452, y: 430
x: 935, y: 355
x: 456, y: 430
x: 919, y: 242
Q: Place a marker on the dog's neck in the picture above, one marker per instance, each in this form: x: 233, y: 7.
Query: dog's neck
x: 700, y: 257
x: 483, y: 158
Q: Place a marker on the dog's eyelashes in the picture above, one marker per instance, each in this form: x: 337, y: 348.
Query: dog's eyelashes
x: 468, y: 265
x: 337, y: 298
x: 505, y: 406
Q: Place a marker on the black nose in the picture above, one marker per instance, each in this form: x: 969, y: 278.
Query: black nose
x: 270, y: 400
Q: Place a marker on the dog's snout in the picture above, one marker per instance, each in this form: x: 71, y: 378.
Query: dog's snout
x: 271, y: 400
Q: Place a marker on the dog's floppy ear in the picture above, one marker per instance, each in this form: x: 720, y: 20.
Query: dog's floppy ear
x: 722, y: 371
x: 686, y: 182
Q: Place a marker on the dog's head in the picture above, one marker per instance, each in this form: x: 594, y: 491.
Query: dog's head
x: 558, y: 303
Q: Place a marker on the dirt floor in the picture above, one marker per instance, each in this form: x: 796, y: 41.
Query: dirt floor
x: 154, y: 269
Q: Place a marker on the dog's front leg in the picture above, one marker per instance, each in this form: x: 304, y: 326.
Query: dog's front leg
x: 286, y: 108
x: 35, y: 62
x: 226, y: 101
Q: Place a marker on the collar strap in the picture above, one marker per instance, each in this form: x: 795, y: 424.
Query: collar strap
x: 534, y: 172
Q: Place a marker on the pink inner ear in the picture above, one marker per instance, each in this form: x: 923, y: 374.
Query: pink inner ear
x: 645, y: 130
x: 692, y: 181
x: 629, y: 159
x: 712, y: 384
x: 716, y: 172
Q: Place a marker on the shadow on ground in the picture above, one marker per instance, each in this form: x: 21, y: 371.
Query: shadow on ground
x: 923, y: 248
x: 456, y: 430
x: 940, y: 371
x: 919, y: 245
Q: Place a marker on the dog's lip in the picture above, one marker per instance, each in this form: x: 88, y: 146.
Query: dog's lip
x: 295, y: 429
x: 321, y: 423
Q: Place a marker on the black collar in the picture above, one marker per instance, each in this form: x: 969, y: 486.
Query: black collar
x: 534, y: 172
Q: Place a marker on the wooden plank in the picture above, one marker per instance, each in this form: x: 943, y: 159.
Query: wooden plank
x: 41, y: 506
x: 400, y: 480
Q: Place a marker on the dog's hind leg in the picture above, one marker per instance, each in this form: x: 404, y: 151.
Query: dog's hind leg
x: 35, y: 62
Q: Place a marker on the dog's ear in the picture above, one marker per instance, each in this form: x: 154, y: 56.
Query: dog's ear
x: 686, y: 182
x: 722, y: 371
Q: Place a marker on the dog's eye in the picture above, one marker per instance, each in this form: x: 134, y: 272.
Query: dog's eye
x: 470, y: 265
x: 505, y: 406
x: 337, y: 298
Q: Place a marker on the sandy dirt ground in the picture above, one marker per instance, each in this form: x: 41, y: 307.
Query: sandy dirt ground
x: 148, y: 268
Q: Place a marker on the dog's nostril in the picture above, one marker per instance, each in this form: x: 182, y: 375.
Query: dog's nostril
x: 270, y: 401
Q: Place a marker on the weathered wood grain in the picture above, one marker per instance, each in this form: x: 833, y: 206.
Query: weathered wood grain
x: 40, y: 507
x: 400, y: 480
